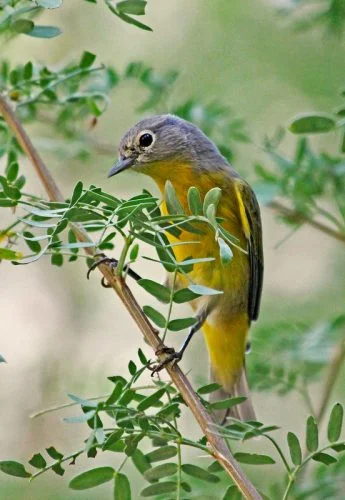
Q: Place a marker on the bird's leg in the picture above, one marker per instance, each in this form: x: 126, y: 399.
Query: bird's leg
x: 103, y: 259
x: 176, y: 356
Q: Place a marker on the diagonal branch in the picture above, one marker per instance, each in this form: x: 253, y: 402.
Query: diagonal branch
x: 206, y: 422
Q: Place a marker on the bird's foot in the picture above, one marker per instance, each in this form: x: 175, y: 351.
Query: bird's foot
x: 103, y: 259
x: 172, y: 357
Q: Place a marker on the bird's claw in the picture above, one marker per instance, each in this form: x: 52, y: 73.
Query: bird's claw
x: 172, y: 357
x: 103, y: 259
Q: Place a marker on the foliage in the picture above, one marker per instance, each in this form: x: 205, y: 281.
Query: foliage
x: 142, y: 422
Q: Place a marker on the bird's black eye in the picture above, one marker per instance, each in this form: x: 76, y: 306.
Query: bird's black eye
x: 146, y: 140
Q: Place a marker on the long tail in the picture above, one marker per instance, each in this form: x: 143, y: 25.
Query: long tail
x: 226, y: 340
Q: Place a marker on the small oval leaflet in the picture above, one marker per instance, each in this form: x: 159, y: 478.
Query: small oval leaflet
x: 92, y: 478
x: 312, y: 123
x: 161, y: 471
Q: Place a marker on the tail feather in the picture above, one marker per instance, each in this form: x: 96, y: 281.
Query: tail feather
x: 243, y: 411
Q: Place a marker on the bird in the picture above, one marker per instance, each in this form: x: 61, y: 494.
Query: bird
x: 169, y: 148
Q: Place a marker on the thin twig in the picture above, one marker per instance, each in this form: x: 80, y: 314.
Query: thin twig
x: 332, y: 377
x: 218, y: 445
x: 304, y: 219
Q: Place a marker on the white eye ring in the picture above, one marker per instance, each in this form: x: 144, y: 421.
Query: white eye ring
x: 146, y: 139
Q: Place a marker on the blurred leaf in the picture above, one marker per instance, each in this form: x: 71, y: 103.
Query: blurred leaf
x: 232, y: 493
x: 162, y: 453
x: 8, y: 254
x: 199, y: 473
x: 122, y: 487
x: 335, y: 423
x: 159, y: 291
x: 207, y: 389
x: 225, y: 252
x: 204, y: 290
x: 172, y: 202
x: 227, y: 403
x: 150, y: 400
x: 254, y: 459
x: 312, y: 435
x: 134, y: 7
x: 53, y: 453
x: 92, y: 478
x: 155, y: 316
x: 295, y: 448
x: 87, y: 59
x: 161, y: 471
x: 44, y: 32
x: 175, y: 325
x: 212, y: 197
x: 194, y: 201
x: 158, y: 489
x: 184, y: 295
x: 23, y: 26
x: 324, y: 458
x: 49, y: 4
x: 38, y: 461
x: 13, y: 469
x: 141, y: 461
x: 312, y: 123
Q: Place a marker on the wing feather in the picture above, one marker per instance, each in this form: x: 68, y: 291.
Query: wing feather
x: 251, y: 219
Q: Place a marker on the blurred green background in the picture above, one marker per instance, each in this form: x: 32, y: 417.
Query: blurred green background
x: 61, y: 333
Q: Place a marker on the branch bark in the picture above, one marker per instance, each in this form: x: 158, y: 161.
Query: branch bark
x: 206, y: 422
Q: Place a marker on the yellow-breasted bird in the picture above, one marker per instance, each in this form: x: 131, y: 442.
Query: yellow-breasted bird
x: 166, y: 147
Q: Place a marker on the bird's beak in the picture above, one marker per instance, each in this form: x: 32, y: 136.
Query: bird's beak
x: 120, y: 165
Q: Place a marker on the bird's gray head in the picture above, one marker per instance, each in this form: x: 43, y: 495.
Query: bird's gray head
x: 165, y: 139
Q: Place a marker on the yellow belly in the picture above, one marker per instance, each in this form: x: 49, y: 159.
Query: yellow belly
x: 226, y: 329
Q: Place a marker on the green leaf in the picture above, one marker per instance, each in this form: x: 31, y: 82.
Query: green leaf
x: 2, y: 359
x: 194, y: 201
x: 172, y: 202
x: 312, y: 123
x: 134, y: 7
x: 7, y: 203
x: 295, y: 448
x: 232, y: 493
x: 199, y: 473
x: 211, y: 215
x: 206, y: 389
x: 8, y: 254
x: 215, y: 467
x: 184, y: 295
x: 225, y: 252
x: 133, y: 255
x: 13, y: 469
x: 159, y: 291
x: 112, y: 439
x: 80, y: 419
x: 57, y: 259
x: 27, y: 71
x: 338, y: 447
x: 150, y: 400
x: 335, y: 423
x: 160, y: 471
x: 131, y: 20
x: 142, y: 357
x: 162, y: 453
x: 33, y: 245
x: 49, y: 4
x: 122, y: 487
x: 175, y: 325
x: 22, y: 26
x: 212, y: 197
x: 158, y: 489
x: 204, y: 290
x: 140, y: 461
x: 324, y: 458
x: 227, y: 403
x: 77, y: 192
x: 12, y: 171
x: 38, y: 461
x: 254, y: 459
x: 312, y: 435
x: 92, y: 478
x: 132, y: 368
x: 45, y: 32
x: 87, y: 59
x: 155, y: 316
x: 53, y: 453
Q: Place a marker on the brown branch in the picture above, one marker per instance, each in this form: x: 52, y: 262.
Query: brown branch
x: 332, y: 377
x: 300, y: 218
x: 206, y: 422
